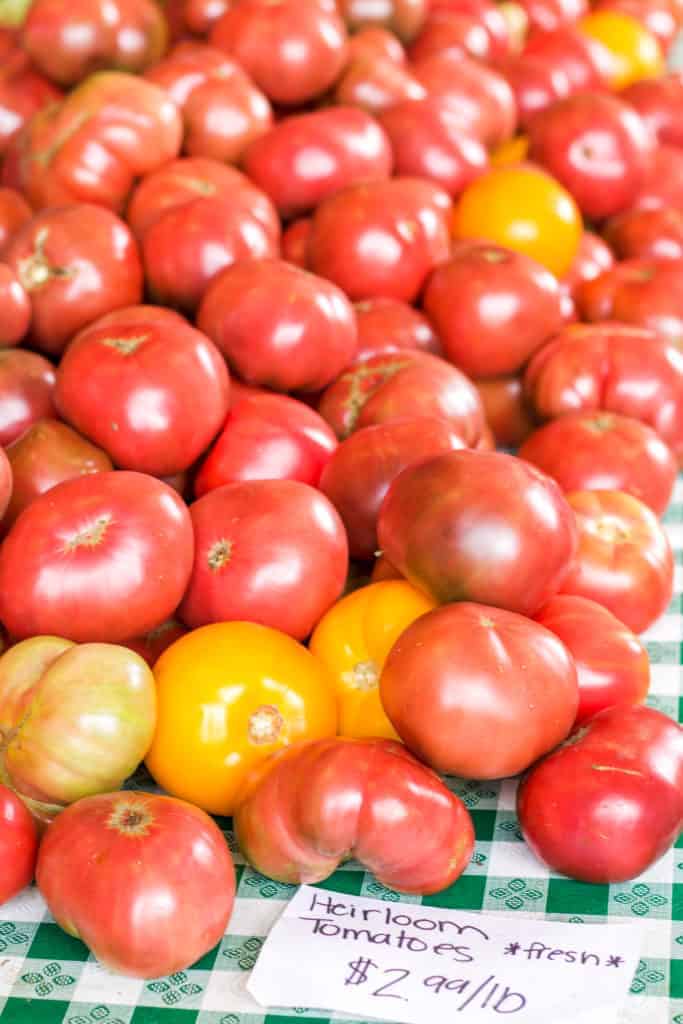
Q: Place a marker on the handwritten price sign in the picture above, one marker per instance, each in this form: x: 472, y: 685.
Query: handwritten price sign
x: 411, y: 964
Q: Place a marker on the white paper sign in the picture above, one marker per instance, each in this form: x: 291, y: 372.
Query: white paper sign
x: 408, y: 963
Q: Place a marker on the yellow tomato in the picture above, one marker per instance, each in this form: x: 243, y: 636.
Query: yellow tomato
x: 511, y: 152
x: 353, y: 640
x: 635, y: 53
x: 524, y: 208
x: 229, y: 695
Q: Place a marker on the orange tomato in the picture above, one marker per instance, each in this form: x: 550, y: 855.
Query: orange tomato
x: 635, y: 53
x: 353, y: 640
x: 524, y: 208
x: 511, y: 152
x: 229, y: 695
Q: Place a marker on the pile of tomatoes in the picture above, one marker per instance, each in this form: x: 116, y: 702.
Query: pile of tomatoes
x: 277, y: 277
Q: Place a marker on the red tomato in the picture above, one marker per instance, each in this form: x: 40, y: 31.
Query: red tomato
x: 223, y: 111
x: 366, y: 798
x: 655, y: 234
x: 90, y: 148
x: 401, y: 385
x: 164, y: 385
x: 646, y: 293
x: 624, y: 560
x: 18, y: 845
x: 404, y: 17
x: 548, y: 15
x: 76, y: 263
x: 359, y: 474
x: 468, y: 671
x: 536, y: 85
x: 14, y: 211
x: 6, y: 482
x: 607, y: 804
x: 453, y: 35
x: 27, y: 384
x: 267, y: 551
x: 375, y: 84
x: 659, y: 101
x: 663, y: 184
x: 294, y: 51
x: 594, y: 256
x: 23, y: 92
x: 47, y: 454
x: 612, y: 367
x: 374, y: 42
x: 388, y: 325
x: 153, y: 644
x: 15, y: 306
x: 487, y: 14
x: 600, y: 451
x: 279, y: 326
x: 295, y: 242
x: 612, y: 665
x: 162, y: 863
x: 307, y: 157
x: 479, y: 526
x: 508, y: 305
x: 70, y: 41
x: 585, y: 62
x: 268, y: 437
x: 507, y: 411
x: 201, y: 15
x: 98, y: 558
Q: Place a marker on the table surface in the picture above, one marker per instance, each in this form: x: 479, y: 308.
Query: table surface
x: 46, y: 977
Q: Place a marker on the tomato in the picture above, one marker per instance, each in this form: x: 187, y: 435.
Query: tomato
x: 360, y: 472
x: 147, y: 367
x: 76, y: 263
x: 279, y: 326
x: 468, y: 671
x: 152, y: 645
x: 353, y: 639
x: 453, y: 35
x: 27, y: 383
x: 635, y: 53
x: 294, y: 243
x: 585, y: 61
x: 223, y: 111
x: 201, y: 15
x: 381, y: 238
x: 401, y: 386
x: 598, y: 451
x: 294, y: 51
x: 388, y: 325
x: 23, y: 92
x: 664, y: 181
x: 612, y: 665
x: 383, y: 570
x: 70, y: 41
x: 548, y: 15
x: 268, y: 551
x: 607, y: 804
x: 374, y: 42
x: 508, y: 305
x: 162, y: 864
x: 48, y: 453
x: 18, y: 845
x: 368, y: 799
x: 615, y: 368
x: 536, y: 84
x: 268, y: 437
x: 90, y: 148
x: 375, y: 84
x: 624, y: 559
x: 593, y: 256
x: 507, y: 411
x: 479, y: 526
x: 659, y: 17
x: 404, y: 17
x: 229, y: 695
x: 6, y: 482
x: 16, y: 308
x: 524, y: 209
x: 655, y: 234
x: 659, y: 101
x: 14, y: 211
x: 100, y: 557
x: 77, y: 720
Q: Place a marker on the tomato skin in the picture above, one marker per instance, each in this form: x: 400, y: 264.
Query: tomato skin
x: 117, y: 361
x: 69, y: 41
x: 612, y: 665
x: 374, y: 42
x: 18, y: 845
x: 23, y: 92
x: 279, y: 326
x: 479, y: 526
x: 76, y: 263
x: 603, y: 451
x: 387, y: 325
x: 571, y: 806
x: 47, y: 454
x: 295, y: 242
x: 633, y: 51
x: 152, y: 645
x: 57, y: 562
x: 375, y: 84
x: 647, y: 234
x: 362, y: 469
x: 399, y: 386
x: 265, y: 690
x: 353, y: 639
x: 14, y: 211
x: 508, y: 305
x: 659, y: 101
x: 347, y: 145
x: 453, y: 35
x: 404, y: 17
x: 397, y: 262
x: 370, y: 798
x: 508, y: 413
x: 147, y: 882
x: 536, y: 84
x: 467, y: 670
x: 293, y: 51
x: 16, y: 308
x: 624, y: 559
x: 267, y: 551
x: 593, y: 256
x: 27, y: 383
x: 268, y: 437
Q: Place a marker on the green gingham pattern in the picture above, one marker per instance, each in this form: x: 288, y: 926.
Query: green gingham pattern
x: 46, y: 977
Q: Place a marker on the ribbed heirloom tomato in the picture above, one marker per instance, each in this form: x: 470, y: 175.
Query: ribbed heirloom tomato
x: 229, y: 695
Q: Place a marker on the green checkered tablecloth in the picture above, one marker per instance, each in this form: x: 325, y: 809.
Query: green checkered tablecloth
x: 46, y: 977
